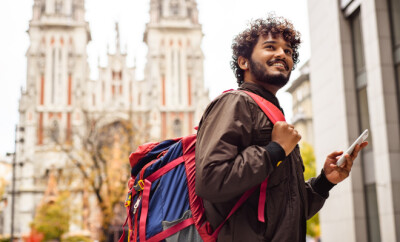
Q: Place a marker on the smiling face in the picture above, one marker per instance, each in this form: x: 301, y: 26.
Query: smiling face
x: 271, y: 62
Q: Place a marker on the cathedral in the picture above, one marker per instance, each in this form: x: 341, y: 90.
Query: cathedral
x: 59, y: 94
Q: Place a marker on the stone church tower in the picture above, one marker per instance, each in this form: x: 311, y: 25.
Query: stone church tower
x: 51, y: 106
x: 174, y: 70
x: 167, y: 103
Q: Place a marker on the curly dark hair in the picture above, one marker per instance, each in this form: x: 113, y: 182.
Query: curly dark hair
x: 243, y: 44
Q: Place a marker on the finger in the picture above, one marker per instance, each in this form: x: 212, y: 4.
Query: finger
x: 332, y: 160
x: 364, y: 144
x: 355, y: 151
x: 358, y: 148
x: 361, y: 146
x: 280, y: 123
x: 334, y: 154
x: 343, y: 172
x: 349, y: 162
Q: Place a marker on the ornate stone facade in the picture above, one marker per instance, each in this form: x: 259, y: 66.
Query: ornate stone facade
x: 59, y: 93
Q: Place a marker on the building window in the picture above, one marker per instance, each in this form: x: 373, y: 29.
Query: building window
x: 364, y: 123
x: 358, y: 50
x: 363, y: 115
x: 55, y: 132
x: 42, y: 9
x: 160, y: 8
x: 174, y: 7
x: 53, y: 75
x: 398, y: 81
x: 372, y: 214
x: 394, y: 11
x: 177, y: 128
x: 58, y: 6
x: 299, y: 94
x: 394, y: 8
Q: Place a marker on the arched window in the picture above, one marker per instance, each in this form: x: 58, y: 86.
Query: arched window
x: 58, y: 6
x: 177, y: 128
x: 160, y: 10
x: 174, y: 8
x: 42, y: 8
x: 55, y: 132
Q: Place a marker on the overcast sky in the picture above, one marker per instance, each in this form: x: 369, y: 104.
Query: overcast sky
x: 221, y: 21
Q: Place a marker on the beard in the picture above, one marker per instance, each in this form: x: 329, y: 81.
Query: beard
x: 262, y: 75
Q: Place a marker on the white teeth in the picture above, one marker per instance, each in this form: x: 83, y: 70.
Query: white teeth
x: 278, y: 64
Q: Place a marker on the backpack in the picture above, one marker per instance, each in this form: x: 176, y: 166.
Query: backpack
x: 161, y: 204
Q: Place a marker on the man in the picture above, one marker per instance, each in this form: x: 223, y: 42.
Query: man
x: 238, y: 147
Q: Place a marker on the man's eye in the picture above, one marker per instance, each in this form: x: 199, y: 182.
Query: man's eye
x: 289, y: 52
x: 269, y: 47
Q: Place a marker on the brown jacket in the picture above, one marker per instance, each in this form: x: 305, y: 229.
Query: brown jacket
x: 231, y: 158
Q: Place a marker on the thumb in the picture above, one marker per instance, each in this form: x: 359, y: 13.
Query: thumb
x: 333, y: 157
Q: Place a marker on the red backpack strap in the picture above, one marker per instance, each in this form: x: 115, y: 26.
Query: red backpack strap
x: 275, y: 115
x: 239, y: 203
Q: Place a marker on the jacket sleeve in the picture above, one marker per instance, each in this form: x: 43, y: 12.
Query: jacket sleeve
x: 317, y: 192
x: 227, y: 164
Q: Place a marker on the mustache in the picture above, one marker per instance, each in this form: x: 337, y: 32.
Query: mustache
x: 271, y: 62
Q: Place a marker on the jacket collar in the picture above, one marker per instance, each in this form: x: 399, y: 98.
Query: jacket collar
x: 261, y: 91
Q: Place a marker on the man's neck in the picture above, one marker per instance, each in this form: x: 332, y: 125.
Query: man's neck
x: 271, y: 88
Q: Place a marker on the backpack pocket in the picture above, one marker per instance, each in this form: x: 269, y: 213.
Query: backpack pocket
x: 187, y: 234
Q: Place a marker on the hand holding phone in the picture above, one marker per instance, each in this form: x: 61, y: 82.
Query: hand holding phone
x: 358, y: 141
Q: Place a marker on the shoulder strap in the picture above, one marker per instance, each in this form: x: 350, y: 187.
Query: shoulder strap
x: 272, y: 112
x: 275, y: 115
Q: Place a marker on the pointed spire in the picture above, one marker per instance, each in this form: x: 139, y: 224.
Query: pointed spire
x: 173, y: 9
x: 66, y: 10
x: 117, y: 40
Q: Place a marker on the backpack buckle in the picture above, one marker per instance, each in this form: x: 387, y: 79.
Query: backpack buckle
x: 128, y: 199
x: 139, y: 186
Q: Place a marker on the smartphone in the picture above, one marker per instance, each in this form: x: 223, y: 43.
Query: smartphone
x: 358, y: 141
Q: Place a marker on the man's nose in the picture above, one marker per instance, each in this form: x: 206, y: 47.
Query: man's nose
x: 280, y: 53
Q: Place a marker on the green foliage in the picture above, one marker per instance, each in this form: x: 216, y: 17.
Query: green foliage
x: 76, y: 238
x: 52, y: 219
x: 2, y: 187
x: 307, y: 153
x: 5, y: 239
x: 313, y: 228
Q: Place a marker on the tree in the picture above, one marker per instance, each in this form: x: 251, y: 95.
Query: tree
x: 2, y: 187
x: 52, y: 218
x: 100, y: 154
x: 307, y: 153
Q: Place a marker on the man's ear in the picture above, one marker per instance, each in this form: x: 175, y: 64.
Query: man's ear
x: 243, y: 63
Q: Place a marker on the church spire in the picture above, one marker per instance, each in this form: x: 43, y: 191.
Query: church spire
x: 117, y: 40
x: 172, y: 10
x: 61, y: 9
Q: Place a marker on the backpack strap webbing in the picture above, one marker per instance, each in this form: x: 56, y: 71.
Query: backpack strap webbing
x: 275, y: 115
